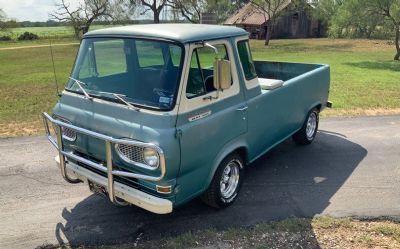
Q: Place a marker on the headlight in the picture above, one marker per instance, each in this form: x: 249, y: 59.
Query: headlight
x: 145, y: 157
x: 151, y: 157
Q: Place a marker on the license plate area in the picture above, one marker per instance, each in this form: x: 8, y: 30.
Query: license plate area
x: 97, y: 188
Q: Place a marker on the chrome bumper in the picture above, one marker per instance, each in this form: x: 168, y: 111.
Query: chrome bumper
x: 138, y: 198
x: 114, y: 189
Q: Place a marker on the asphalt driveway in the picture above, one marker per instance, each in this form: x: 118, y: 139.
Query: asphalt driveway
x: 352, y: 169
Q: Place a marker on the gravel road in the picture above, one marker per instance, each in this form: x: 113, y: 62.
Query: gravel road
x: 352, y: 169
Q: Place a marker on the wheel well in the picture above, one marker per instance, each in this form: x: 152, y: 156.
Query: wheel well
x: 318, y: 107
x: 242, y: 151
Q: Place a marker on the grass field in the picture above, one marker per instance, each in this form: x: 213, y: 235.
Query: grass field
x: 60, y: 32
x: 364, y: 78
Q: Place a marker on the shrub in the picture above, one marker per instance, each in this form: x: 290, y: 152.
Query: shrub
x: 28, y: 36
x: 5, y: 38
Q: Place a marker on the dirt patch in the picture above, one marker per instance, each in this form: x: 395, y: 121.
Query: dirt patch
x: 15, y: 129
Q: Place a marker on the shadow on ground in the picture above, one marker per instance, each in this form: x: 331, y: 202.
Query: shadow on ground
x: 377, y: 65
x: 289, y: 181
x: 304, y: 47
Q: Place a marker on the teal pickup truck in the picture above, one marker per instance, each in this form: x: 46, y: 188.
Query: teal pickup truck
x: 156, y: 115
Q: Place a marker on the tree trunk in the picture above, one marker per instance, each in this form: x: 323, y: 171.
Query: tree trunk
x: 268, y: 34
x: 156, y: 16
x: 77, y: 32
x: 396, y: 42
x: 85, y: 29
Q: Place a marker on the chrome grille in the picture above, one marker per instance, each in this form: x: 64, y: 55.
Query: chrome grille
x: 67, y: 133
x: 131, y: 153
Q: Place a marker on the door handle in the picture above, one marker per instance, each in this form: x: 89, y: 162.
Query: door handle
x: 243, y: 108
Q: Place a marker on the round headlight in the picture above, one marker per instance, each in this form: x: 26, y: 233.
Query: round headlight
x: 151, y: 157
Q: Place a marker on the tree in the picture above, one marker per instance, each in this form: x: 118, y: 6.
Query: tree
x: 324, y: 10
x: 240, y: 3
x: 222, y: 8
x: 2, y: 15
x: 6, y: 23
x: 273, y: 10
x: 3, y: 19
x: 83, y: 16
x: 363, y: 18
x: 189, y: 9
x: 390, y: 11
x: 155, y: 6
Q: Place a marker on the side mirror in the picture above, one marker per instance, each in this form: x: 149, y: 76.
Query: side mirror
x: 222, y: 74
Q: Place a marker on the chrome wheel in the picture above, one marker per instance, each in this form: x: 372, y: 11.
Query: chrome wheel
x: 311, y: 125
x: 230, y: 179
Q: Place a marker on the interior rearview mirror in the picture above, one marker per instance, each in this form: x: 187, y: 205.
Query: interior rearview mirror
x: 222, y: 74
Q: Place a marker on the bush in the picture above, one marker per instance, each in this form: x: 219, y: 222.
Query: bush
x: 28, y: 36
x: 5, y: 38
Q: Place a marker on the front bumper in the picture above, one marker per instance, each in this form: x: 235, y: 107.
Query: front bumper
x: 113, y: 188
x: 138, y: 198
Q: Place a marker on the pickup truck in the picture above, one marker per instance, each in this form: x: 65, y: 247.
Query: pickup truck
x: 156, y: 115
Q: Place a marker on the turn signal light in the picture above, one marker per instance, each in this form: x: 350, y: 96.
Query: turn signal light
x: 164, y: 189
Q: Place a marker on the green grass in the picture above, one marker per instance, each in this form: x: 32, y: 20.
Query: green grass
x: 362, y: 71
x: 27, y: 85
x: 42, y: 32
x: 46, y: 32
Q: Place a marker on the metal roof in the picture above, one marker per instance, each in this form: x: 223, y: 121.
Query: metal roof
x: 177, y: 32
x: 247, y: 15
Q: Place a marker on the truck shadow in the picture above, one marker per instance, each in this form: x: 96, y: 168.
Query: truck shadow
x: 289, y: 181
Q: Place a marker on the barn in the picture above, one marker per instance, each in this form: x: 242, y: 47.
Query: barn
x: 294, y: 23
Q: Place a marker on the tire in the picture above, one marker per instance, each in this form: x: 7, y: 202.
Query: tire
x: 309, y: 129
x: 224, y: 188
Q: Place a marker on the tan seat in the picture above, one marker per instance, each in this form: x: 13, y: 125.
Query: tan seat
x: 269, y: 84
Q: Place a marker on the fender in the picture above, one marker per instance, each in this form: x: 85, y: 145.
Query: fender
x: 316, y: 104
x: 231, y: 146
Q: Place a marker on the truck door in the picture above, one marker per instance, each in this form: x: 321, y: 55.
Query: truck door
x: 272, y: 115
x: 208, y: 119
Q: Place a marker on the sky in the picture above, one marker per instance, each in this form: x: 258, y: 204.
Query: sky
x: 29, y: 10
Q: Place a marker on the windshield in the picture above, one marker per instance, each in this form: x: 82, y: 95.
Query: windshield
x: 145, y: 72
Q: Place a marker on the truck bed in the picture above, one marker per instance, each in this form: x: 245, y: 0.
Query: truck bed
x: 282, y: 70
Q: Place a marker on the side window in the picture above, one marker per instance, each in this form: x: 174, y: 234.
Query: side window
x: 110, y: 57
x: 200, y: 80
x: 149, y: 54
x: 246, y: 60
x: 175, y: 53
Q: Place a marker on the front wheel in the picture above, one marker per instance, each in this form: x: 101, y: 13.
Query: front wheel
x: 309, y: 129
x: 225, y: 186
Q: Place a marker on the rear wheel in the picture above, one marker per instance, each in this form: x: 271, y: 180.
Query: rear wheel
x: 309, y: 129
x: 225, y: 186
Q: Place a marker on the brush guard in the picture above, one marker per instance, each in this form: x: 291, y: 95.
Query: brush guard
x: 108, y: 142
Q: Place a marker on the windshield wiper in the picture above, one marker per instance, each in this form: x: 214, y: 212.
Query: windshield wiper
x: 80, y: 83
x: 120, y: 97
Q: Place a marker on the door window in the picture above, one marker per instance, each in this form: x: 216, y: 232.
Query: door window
x: 201, y: 72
